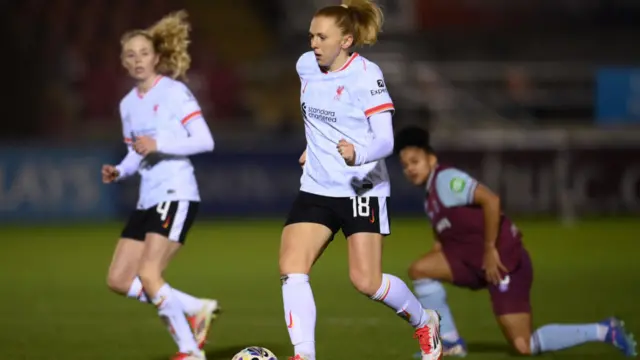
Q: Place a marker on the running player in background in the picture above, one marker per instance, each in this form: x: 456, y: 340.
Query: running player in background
x: 162, y: 126
x: 478, y: 247
x: 345, y: 185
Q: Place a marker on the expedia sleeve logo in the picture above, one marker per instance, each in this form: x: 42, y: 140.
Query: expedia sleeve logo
x: 382, y: 88
x: 311, y: 113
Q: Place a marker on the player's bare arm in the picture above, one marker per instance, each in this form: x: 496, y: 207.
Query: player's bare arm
x: 490, y: 203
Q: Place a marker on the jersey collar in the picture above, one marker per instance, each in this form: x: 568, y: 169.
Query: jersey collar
x: 346, y: 65
x: 155, y: 82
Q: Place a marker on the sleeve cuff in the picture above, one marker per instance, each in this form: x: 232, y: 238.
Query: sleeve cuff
x: 378, y: 109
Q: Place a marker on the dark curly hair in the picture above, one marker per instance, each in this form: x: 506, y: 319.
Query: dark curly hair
x: 412, y: 136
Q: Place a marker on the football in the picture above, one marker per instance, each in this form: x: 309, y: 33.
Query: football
x: 255, y: 353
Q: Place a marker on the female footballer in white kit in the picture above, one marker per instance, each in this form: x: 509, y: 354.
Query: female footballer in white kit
x: 162, y: 126
x: 345, y: 185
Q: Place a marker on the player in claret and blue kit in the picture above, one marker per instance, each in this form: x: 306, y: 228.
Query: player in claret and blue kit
x: 478, y: 247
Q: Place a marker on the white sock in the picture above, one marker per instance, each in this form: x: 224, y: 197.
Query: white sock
x: 394, y: 293
x: 190, y: 304
x: 136, y: 291
x: 300, y: 313
x: 171, y: 312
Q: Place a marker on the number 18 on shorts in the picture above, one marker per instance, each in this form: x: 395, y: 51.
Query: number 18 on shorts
x: 356, y: 214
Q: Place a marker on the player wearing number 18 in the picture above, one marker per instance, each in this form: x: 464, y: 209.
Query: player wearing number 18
x: 347, y: 113
x: 162, y: 126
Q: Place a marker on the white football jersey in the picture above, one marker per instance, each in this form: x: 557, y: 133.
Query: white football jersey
x: 335, y: 106
x: 162, y: 113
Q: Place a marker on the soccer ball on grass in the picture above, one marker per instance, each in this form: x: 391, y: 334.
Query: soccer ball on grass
x: 255, y: 353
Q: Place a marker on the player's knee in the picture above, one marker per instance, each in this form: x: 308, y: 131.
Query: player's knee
x: 364, y: 282
x: 416, y: 271
x: 521, y: 346
x: 118, y: 283
x: 119, y: 279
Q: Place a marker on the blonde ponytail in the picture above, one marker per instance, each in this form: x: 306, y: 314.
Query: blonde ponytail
x: 362, y: 19
x: 170, y: 39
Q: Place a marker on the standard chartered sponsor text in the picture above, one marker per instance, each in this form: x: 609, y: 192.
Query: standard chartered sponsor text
x: 322, y: 114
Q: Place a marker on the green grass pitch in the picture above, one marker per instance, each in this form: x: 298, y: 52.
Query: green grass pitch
x: 55, y: 304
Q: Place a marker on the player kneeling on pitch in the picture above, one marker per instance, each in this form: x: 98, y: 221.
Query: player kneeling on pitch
x: 162, y: 126
x: 478, y: 247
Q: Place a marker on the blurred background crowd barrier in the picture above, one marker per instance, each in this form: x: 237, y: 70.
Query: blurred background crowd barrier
x: 540, y: 99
